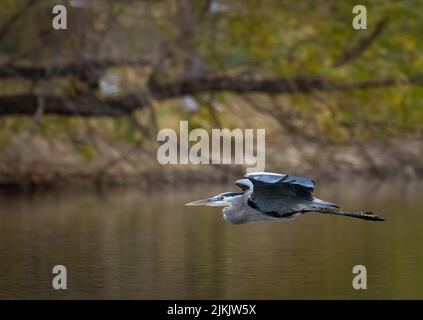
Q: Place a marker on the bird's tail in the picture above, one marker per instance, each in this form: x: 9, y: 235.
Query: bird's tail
x: 323, y: 206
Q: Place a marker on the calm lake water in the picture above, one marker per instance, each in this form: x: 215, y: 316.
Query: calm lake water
x: 145, y: 245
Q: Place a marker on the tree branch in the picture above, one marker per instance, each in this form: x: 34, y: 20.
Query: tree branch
x: 5, y: 28
x: 354, y: 52
x: 80, y: 70
x: 89, y: 105
x: 269, y: 86
x: 84, y: 105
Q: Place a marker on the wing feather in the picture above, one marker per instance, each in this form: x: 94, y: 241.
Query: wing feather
x: 275, y: 192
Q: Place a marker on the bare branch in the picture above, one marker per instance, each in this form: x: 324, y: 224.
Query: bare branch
x: 354, y: 52
x: 5, y: 28
x: 79, y: 70
x: 269, y: 86
x: 89, y: 105
x: 84, y: 105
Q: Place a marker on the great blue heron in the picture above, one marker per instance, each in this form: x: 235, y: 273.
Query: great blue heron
x: 270, y: 196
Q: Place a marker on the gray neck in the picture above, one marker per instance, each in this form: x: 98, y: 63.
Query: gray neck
x: 235, y: 213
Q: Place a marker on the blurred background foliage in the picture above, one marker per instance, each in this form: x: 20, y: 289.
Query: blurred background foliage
x: 138, y: 43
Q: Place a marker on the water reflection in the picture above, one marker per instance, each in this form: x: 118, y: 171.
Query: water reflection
x: 133, y: 244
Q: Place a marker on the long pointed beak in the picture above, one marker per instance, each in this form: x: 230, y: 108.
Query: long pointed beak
x: 202, y: 202
x: 210, y: 202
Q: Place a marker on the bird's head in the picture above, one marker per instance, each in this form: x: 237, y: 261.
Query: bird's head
x: 220, y: 200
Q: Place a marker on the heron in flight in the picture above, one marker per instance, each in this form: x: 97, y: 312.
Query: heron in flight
x: 270, y: 196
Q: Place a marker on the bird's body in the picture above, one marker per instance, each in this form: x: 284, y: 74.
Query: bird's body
x: 239, y: 211
x: 274, y: 197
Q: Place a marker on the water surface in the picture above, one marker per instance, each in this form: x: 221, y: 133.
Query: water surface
x: 137, y: 244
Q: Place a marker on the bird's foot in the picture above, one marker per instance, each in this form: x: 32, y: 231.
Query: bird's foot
x: 369, y: 215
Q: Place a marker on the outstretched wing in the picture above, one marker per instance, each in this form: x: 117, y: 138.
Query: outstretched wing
x: 278, y: 193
